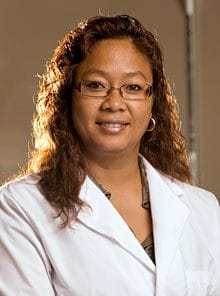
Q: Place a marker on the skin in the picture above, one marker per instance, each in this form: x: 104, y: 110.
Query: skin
x: 111, y: 151
x: 112, y: 61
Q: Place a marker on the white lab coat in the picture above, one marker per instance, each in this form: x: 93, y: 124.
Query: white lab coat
x: 99, y: 255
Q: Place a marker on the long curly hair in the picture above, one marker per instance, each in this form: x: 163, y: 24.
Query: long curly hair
x: 57, y: 156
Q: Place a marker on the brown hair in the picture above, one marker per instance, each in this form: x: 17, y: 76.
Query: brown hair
x: 57, y: 156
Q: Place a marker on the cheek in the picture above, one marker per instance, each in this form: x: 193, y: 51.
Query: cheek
x: 143, y: 116
x: 82, y: 114
x: 78, y: 114
x: 142, y: 120
x: 148, y: 117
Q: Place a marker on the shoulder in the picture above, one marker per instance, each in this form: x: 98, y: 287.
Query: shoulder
x: 191, y: 195
x: 20, y: 189
x: 200, y: 202
x: 22, y: 198
x: 187, y: 192
x: 197, y: 197
x: 19, y: 183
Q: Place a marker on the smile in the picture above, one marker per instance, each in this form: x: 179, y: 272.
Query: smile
x: 112, y: 127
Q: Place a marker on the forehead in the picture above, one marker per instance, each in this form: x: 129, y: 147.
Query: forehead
x: 115, y: 57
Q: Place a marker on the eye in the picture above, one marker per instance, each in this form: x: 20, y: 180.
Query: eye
x: 93, y: 85
x: 134, y: 87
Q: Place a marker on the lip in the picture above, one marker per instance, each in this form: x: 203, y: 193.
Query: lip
x: 112, y: 126
x: 113, y: 121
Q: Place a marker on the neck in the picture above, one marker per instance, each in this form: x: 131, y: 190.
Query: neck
x: 113, y: 170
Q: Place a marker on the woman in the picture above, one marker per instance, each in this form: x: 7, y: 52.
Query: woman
x: 106, y: 207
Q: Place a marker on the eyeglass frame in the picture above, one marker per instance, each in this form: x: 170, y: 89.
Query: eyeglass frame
x: 77, y: 86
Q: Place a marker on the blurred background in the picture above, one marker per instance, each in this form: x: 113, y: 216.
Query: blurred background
x: 188, y: 32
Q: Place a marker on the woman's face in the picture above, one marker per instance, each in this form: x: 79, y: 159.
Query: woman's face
x: 112, y: 125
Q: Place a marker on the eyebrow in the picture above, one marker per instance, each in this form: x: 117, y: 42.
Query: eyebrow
x: 105, y: 74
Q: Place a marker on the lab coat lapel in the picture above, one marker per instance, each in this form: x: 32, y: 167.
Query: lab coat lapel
x: 104, y: 218
x: 169, y: 215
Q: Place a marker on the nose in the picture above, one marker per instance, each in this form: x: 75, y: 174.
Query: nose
x: 114, y: 101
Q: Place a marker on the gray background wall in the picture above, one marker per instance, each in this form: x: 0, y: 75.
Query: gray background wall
x: 30, y: 30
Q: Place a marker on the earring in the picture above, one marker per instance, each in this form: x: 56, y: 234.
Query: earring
x: 151, y: 125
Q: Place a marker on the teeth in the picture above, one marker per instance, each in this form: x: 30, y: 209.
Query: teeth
x: 113, y: 127
x: 112, y: 124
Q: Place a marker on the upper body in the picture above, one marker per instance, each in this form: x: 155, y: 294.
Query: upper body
x: 104, y: 101
x: 99, y: 254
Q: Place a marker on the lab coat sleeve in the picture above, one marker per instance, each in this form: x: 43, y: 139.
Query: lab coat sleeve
x: 24, y: 266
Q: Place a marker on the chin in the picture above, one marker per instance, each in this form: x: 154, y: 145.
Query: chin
x: 113, y: 149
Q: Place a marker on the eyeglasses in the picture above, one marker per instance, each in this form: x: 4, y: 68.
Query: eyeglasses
x: 129, y: 91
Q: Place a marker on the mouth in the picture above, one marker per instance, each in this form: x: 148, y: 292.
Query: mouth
x: 112, y: 127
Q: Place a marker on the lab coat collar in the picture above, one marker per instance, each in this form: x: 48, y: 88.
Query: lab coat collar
x: 102, y: 217
x: 168, y: 213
